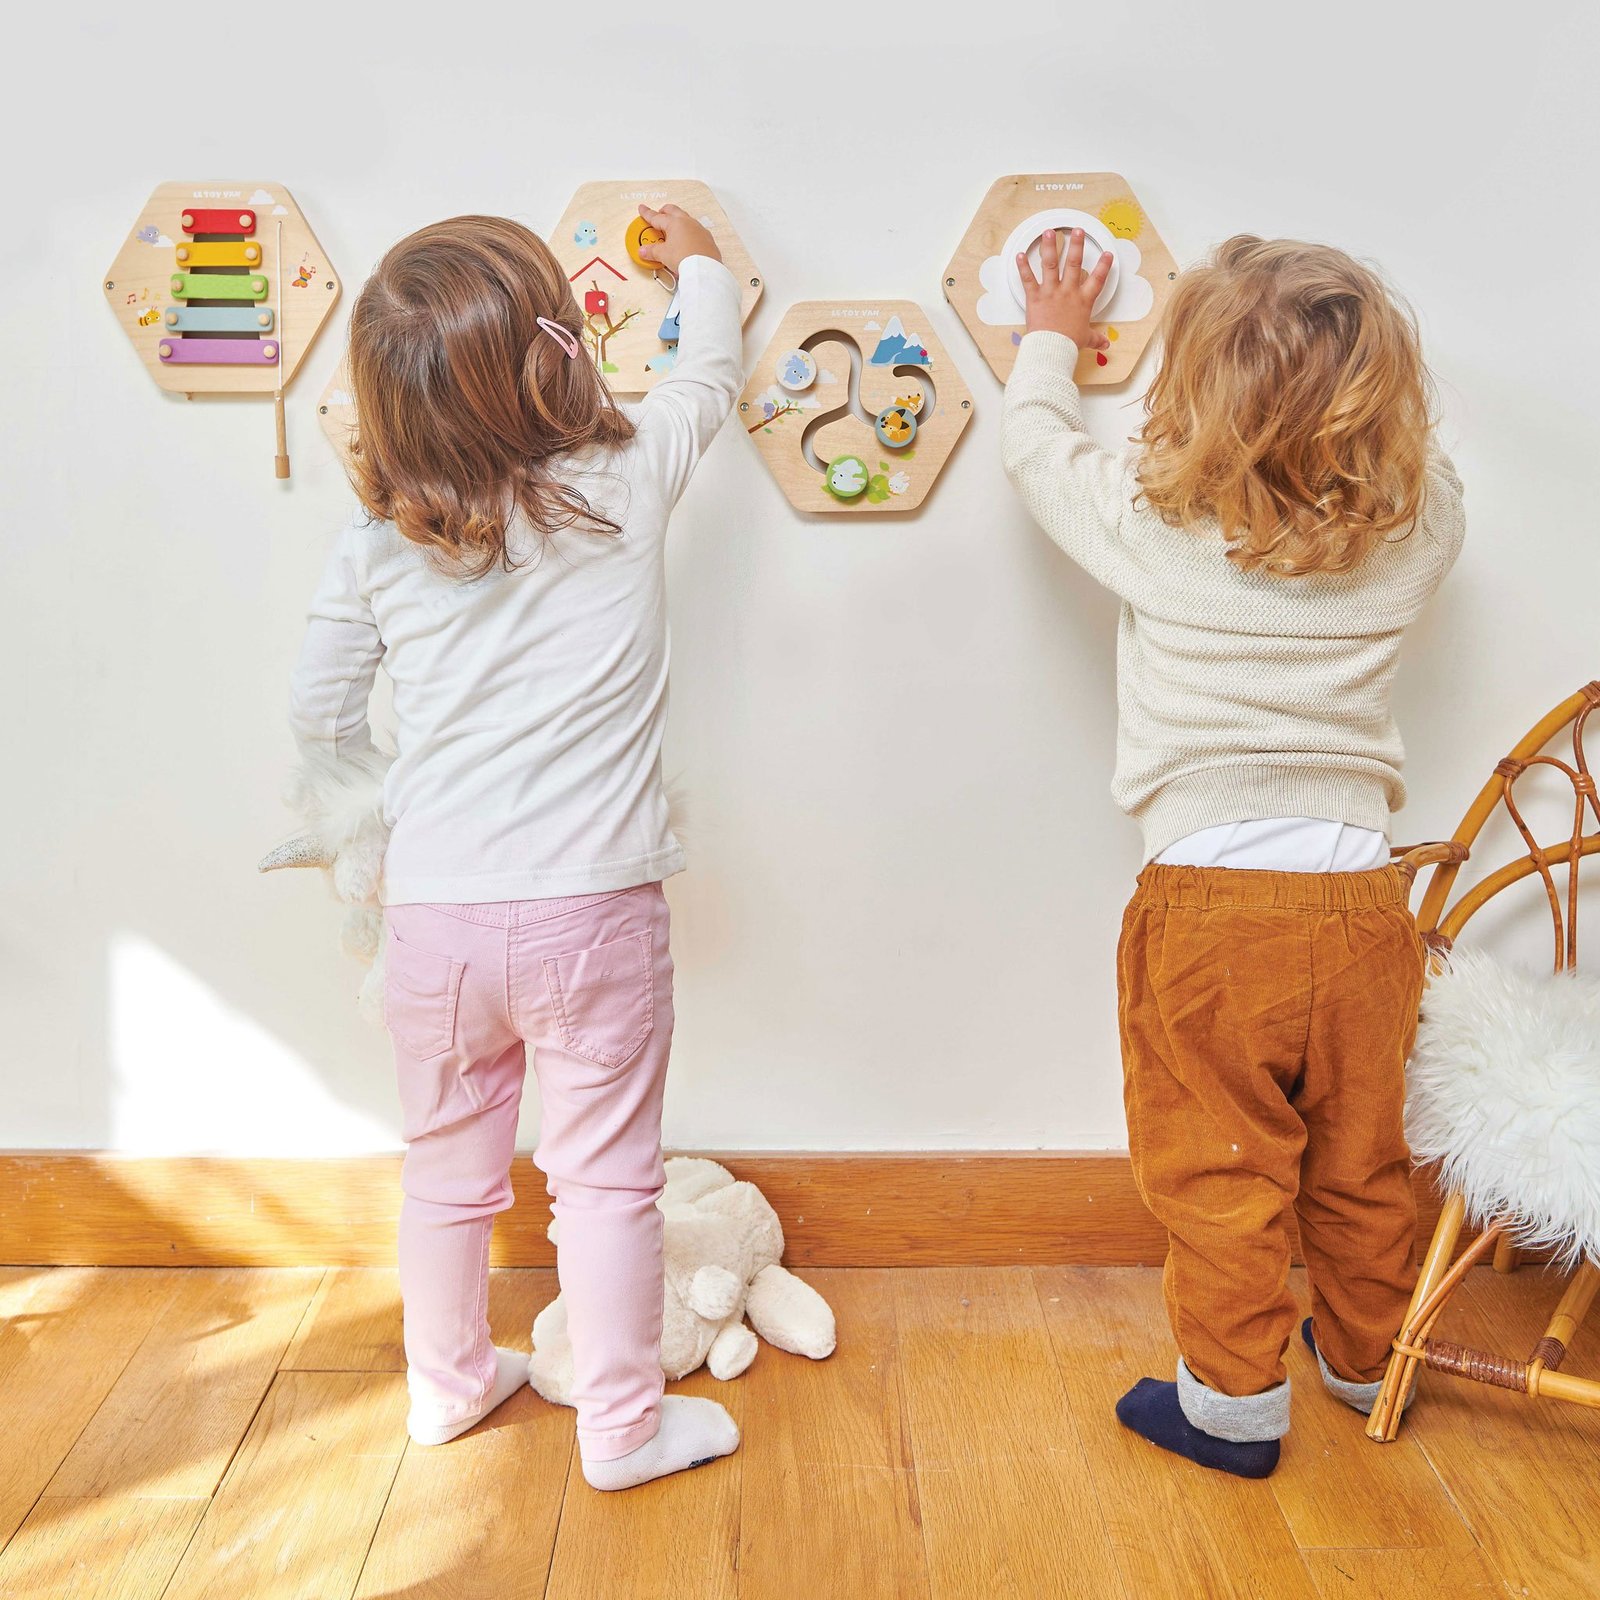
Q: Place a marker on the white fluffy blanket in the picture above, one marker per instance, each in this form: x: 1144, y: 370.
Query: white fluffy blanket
x: 1503, y: 1090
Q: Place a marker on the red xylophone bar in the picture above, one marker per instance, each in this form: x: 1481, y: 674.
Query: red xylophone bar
x: 215, y: 221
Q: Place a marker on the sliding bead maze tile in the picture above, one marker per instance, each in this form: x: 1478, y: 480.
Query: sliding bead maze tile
x: 855, y: 408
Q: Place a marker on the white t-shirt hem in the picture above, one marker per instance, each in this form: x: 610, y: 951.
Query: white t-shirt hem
x: 1280, y: 844
x: 554, y: 884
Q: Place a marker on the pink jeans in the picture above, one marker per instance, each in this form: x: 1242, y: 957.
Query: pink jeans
x: 584, y: 985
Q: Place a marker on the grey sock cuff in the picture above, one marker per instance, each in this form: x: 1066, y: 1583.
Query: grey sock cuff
x: 1361, y: 1396
x: 1240, y: 1419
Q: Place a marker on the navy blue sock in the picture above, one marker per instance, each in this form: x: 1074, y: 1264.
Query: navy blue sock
x: 1305, y: 1333
x: 1151, y: 1409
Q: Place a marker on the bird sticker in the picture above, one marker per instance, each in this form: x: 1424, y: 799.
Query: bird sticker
x: 797, y: 370
x: 586, y: 234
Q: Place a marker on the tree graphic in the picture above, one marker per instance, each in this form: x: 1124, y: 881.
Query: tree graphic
x: 598, y: 328
x: 772, y: 412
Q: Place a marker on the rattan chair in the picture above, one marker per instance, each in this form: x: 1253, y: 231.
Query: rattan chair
x: 1441, y: 922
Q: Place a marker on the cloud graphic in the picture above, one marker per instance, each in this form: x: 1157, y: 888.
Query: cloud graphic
x: 872, y: 327
x: 260, y: 198
x: 825, y: 376
x: 1135, y: 295
x: 995, y: 305
x: 341, y: 397
x: 163, y: 239
x: 280, y: 211
x: 1132, y: 300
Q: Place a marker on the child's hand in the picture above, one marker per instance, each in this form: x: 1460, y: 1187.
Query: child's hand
x: 683, y: 237
x: 1061, y: 304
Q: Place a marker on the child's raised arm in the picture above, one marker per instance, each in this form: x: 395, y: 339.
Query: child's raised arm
x: 339, y: 657
x: 682, y: 413
x: 1075, y: 490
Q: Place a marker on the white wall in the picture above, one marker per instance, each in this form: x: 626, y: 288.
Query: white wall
x: 895, y: 735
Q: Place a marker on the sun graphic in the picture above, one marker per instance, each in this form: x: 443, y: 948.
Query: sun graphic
x: 1123, y: 217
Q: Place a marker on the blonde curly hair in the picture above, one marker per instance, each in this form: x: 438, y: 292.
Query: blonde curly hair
x: 1292, y: 405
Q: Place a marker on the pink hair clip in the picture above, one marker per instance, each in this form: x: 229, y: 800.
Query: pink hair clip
x: 562, y: 336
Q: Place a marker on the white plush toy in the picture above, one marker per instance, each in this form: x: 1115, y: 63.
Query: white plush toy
x: 722, y: 1246
x: 340, y: 804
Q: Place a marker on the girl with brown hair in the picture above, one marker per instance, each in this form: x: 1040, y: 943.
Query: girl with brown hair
x: 506, y: 568
x: 1285, y: 518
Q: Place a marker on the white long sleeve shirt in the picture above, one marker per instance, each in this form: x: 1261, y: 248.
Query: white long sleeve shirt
x: 1241, y: 696
x: 529, y: 705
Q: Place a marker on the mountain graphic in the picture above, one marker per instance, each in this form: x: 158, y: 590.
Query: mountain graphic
x: 897, y: 347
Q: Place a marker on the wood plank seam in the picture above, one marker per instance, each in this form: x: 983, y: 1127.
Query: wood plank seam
x: 1072, y: 1413
x: 561, y: 1514
x: 377, y: 1521
x: 194, y: 1532
x: 299, y: 1327
x: 366, y: 1555
x: 908, y: 1445
x: 44, y: 1487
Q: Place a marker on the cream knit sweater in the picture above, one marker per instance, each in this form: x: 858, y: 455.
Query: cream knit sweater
x: 1240, y: 695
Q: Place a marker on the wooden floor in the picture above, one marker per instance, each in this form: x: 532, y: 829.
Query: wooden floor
x: 240, y: 1433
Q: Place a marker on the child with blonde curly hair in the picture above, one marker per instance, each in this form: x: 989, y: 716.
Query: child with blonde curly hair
x: 1286, y: 516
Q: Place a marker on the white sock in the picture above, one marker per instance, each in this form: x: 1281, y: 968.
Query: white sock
x: 510, y: 1375
x: 692, y: 1432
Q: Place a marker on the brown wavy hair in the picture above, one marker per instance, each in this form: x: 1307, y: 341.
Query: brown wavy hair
x: 462, y: 401
x: 1292, y: 405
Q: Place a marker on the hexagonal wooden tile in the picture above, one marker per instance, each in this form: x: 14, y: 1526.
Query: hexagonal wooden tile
x: 336, y: 409
x: 220, y: 284
x: 983, y: 284
x: 822, y: 388
x: 623, y: 300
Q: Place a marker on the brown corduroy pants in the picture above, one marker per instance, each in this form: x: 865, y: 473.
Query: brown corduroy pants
x: 1266, y: 1018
